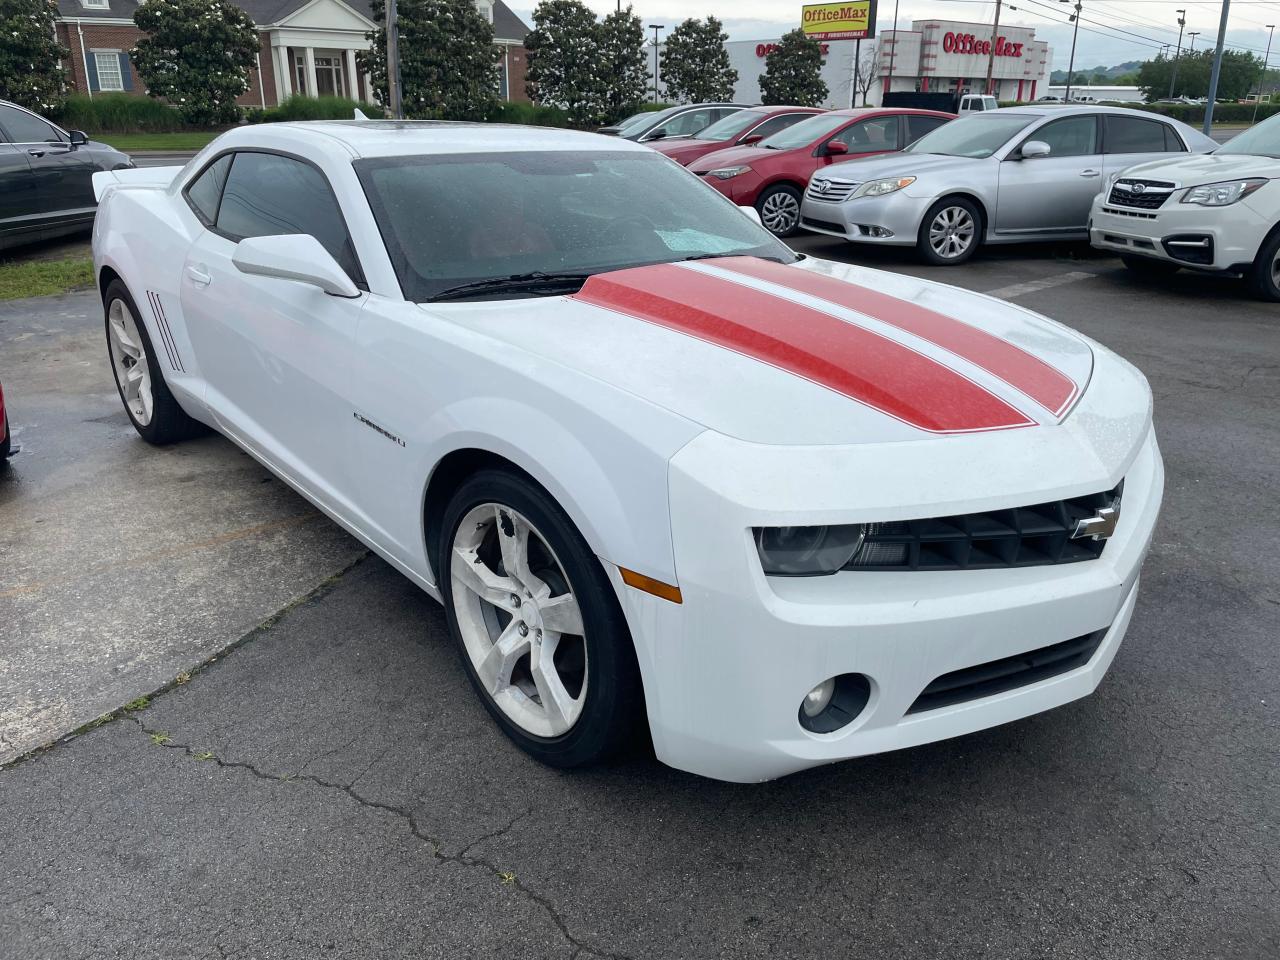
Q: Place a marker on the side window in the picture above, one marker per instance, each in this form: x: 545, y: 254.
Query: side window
x: 23, y: 127
x: 774, y: 124
x: 267, y: 195
x: 205, y: 192
x: 687, y: 124
x: 1070, y: 136
x: 868, y: 136
x: 918, y: 126
x: 1134, y: 135
x: 1172, y: 142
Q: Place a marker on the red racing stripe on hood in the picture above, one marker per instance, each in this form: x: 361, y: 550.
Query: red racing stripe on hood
x: 844, y: 357
x: 1046, y: 385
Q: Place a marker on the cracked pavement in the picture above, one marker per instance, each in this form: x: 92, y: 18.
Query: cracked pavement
x: 331, y: 787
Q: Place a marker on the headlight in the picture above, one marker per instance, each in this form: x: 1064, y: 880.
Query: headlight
x: 878, y: 188
x: 807, y: 551
x: 1221, y: 194
x: 727, y: 173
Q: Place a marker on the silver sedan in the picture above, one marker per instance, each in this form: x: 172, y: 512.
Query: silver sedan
x: 1006, y: 176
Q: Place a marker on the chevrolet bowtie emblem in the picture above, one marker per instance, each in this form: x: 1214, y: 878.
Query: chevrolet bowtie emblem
x: 1101, y: 526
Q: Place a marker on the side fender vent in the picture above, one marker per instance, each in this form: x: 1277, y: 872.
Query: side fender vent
x: 166, y: 335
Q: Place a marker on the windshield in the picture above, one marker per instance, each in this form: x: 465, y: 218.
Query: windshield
x: 634, y: 118
x: 805, y: 132
x: 451, y: 219
x: 1260, y: 141
x: 730, y: 126
x: 973, y: 136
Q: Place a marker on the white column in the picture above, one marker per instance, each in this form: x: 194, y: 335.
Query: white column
x: 284, y: 74
x: 353, y: 81
x: 368, y: 90
x: 309, y: 62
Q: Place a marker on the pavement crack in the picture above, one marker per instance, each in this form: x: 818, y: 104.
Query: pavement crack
x: 436, y: 844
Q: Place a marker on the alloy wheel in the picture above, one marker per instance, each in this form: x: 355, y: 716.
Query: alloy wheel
x: 520, y: 622
x: 780, y: 212
x: 129, y: 360
x: 951, y: 233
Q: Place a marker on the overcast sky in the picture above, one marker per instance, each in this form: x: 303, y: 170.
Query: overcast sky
x: 1112, y: 31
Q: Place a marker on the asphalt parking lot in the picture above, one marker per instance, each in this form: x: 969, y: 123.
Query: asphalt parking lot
x: 329, y: 786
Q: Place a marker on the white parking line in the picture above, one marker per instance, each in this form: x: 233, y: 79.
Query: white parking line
x: 1031, y: 286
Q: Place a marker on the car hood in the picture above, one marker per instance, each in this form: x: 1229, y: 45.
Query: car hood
x: 894, y: 165
x: 734, y: 155
x: 1189, y: 171
x: 810, y: 353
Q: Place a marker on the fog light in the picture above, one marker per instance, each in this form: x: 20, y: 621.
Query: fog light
x: 834, y: 703
x: 818, y: 698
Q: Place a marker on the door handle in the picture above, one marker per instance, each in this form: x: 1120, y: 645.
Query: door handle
x: 199, y: 277
x: 37, y: 152
x: 1088, y: 173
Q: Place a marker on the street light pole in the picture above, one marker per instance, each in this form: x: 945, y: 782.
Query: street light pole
x: 656, y: 28
x: 1182, y: 22
x: 1262, y: 79
x: 1071, y: 64
x: 888, y: 84
x: 1193, y: 34
x: 1217, y: 68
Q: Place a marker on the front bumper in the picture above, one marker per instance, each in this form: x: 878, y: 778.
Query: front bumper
x: 891, y: 220
x: 726, y: 670
x: 1201, y: 238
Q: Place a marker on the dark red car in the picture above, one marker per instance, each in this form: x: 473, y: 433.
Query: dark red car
x: 5, y: 445
x: 738, y: 129
x: 771, y: 175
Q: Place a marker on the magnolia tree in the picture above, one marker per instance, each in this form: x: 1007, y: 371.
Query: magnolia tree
x: 793, y: 72
x: 448, y: 60
x: 565, y: 61
x: 30, y: 70
x: 695, y: 64
x: 197, y: 55
x: 622, y: 63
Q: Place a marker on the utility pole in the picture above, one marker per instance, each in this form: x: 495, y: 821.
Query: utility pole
x: 656, y: 28
x: 1193, y: 34
x: 394, y: 92
x: 1262, y: 79
x: 1217, y: 68
x: 1182, y: 22
x: 853, y: 74
x: 991, y: 54
x: 888, y: 85
x: 1071, y: 64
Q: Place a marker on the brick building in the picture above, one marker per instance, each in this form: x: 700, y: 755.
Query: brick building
x: 306, y: 46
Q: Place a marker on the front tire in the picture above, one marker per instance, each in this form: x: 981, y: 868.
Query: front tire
x: 152, y: 409
x: 1264, y: 275
x: 779, y: 209
x: 536, y: 621
x: 950, y: 232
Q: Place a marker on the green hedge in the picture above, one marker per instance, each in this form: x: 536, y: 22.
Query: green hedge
x: 301, y: 107
x: 118, y: 113
x: 530, y: 114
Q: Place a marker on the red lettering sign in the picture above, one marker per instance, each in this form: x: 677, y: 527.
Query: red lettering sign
x: 966, y: 44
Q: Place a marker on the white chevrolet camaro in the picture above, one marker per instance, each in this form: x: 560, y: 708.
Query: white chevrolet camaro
x: 656, y: 466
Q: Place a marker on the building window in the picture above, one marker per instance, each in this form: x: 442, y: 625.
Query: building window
x: 107, y: 65
x: 330, y: 75
x: 95, y: 4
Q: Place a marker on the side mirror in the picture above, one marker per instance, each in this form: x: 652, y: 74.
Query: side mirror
x: 751, y: 213
x: 78, y: 138
x: 1034, y: 148
x: 836, y: 148
x: 656, y: 135
x: 297, y: 256
x: 750, y: 139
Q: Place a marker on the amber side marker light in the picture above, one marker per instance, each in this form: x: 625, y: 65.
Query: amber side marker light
x: 649, y: 585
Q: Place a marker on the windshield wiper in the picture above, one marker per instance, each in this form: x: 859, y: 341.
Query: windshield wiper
x: 731, y: 253
x: 533, y: 280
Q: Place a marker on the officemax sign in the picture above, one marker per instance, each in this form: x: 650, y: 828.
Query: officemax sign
x: 967, y: 43
x: 855, y: 20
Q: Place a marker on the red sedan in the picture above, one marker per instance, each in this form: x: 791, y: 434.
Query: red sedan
x: 772, y: 175
x: 738, y: 129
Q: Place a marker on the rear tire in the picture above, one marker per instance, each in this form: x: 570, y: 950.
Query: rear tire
x: 1264, y: 275
x: 536, y: 622
x: 779, y: 209
x: 152, y: 409
x: 1149, y: 267
x: 950, y: 232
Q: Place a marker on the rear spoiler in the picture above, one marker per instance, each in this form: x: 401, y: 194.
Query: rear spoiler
x: 137, y: 177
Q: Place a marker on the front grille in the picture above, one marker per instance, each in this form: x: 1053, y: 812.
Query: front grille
x: 1144, y: 194
x: 834, y: 192
x: 1009, y: 673
x: 817, y: 224
x: 1038, y: 535
x: 1130, y: 213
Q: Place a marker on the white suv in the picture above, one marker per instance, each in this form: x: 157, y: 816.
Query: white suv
x: 1218, y: 212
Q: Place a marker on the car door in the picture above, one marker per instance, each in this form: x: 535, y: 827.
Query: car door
x: 62, y: 185
x: 17, y: 193
x: 684, y: 124
x: 275, y: 353
x: 1131, y: 140
x: 1051, y: 194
